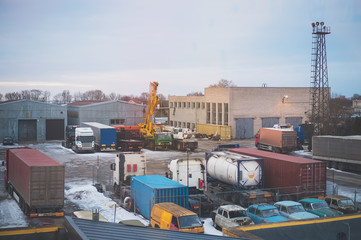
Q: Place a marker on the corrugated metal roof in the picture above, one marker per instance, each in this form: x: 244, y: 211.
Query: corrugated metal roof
x: 88, y: 229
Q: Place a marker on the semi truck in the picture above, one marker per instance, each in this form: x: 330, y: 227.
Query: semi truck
x: 35, y: 181
x: 182, y: 140
x: 126, y: 165
x: 276, y: 139
x: 105, y: 137
x: 129, y: 138
x: 69, y: 136
x: 84, y: 140
x: 189, y: 172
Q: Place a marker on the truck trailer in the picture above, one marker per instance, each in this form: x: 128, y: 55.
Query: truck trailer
x: 35, y: 181
x: 105, y: 136
x: 293, y: 177
x: 341, y: 152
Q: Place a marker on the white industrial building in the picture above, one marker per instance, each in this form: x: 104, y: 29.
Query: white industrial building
x: 243, y: 109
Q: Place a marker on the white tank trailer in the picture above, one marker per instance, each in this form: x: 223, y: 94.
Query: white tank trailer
x: 241, y: 171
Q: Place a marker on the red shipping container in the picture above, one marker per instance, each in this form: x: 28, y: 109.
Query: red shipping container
x: 38, y: 178
x: 286, y: 172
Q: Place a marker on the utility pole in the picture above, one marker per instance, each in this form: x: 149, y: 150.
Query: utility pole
x: 319, y: 90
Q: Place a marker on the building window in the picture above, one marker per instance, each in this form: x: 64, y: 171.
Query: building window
x: 175, y: 104
x: 179, y: 124
x: 193, y: 126
x: 171, y: 104
x: 188, y: 105
x: 203, y: 105
x: 116, y: 121
x: 208, y: 112
x: 171, y: 123
x: 214, y: 113
x: 179, y: 104
x: 219, y: 113
x: 193, y: 105
x: 226, y: 114
x: 184, y: 125
x: 198, y: 105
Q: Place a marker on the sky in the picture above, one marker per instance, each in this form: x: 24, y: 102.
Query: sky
x: 121, y: 46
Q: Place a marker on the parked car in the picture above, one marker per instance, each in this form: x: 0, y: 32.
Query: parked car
x: 264, y: 213
x: 341, y: 203
x: 293, y: 210
x: 230, y: 216
x: 318, y: 207
x: 8, y: 140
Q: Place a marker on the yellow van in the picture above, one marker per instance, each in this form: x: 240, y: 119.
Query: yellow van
x: 171, y: 216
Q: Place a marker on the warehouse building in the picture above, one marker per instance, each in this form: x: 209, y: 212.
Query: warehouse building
x: 238, y: 112
x: 27, y: 120
x: 113, y: 112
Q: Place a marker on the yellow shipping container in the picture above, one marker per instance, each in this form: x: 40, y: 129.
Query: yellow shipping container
x: 222, y: 130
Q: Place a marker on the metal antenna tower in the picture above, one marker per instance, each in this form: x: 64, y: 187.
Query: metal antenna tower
x: 319, y: 90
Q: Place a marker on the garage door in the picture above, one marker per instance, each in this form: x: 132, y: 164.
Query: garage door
x: 244, y: 128
x: 294, y: 121
x: 54, y: 129
x: 269, y: 122
x: 27, y: 130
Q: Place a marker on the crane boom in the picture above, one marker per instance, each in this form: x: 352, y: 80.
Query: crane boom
x: 147, y: 128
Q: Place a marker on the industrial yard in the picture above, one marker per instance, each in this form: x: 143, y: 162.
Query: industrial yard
x: 82, y: 171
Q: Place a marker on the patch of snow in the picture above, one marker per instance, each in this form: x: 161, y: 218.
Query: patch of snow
x: 209, y: 229
x: 11, y: 215
x: 88, y: 198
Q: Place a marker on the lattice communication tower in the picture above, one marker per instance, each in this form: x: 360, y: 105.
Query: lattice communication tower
x: 319, y: 90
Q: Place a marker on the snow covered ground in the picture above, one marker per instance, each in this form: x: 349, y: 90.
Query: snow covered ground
x: 88, y: 198
x: 80, y: 192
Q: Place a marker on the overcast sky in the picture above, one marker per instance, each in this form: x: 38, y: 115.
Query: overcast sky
x: 121, y: 45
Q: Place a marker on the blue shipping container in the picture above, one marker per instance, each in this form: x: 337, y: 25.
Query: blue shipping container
x: 149, y: 190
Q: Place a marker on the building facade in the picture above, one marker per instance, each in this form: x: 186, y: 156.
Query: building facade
x: 113, y: 112
x: 244, y: 109
x: 27, y: 120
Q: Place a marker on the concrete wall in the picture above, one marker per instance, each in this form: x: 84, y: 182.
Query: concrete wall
x: 243, y: 102
x: 104, y: 112
x: 12, y: 112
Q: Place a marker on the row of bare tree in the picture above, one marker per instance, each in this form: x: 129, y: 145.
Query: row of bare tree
x: 65, y: 96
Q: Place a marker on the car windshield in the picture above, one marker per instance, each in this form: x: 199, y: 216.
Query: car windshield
x: 191, y: 221
x: 86, y: 138
x: 270, y: 213
x: 345, y: 202
x: 296, y: 208
x: 163, y: 135
x: 319, y: 205
x: 239, y: 213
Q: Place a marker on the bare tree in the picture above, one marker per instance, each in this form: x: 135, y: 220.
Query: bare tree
x: 114, y: 96
x: 13, y: 96
x: 223, y: 83
x: 63, y: 97
x: 1, y: 96
x: 195, y: 94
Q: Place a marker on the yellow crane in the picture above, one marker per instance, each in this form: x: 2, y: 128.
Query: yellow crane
x: 147, y: 128
x: 153, y: 139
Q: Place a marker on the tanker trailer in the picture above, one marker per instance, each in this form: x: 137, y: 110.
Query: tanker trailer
x: 236, y: 178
